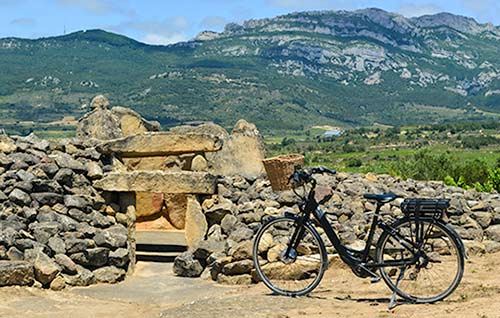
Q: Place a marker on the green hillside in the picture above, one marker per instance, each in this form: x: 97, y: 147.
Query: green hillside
x: 290, y: 72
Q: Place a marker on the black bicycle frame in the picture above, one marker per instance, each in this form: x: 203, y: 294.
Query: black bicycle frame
x: 346, y: 253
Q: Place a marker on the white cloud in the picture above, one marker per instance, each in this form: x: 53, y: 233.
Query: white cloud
x: 483, y: 10
x: 23, y: 22
x: 213, y: 22
x: 300, y: 4
x: 159, y: 39
x: 95, y: 6
x: 167, y: 31
x: 100, y: 7
x: 416, y: 10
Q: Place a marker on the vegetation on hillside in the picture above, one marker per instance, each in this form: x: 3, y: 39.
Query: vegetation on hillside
x: 291, y: 72
x: 460, y: 154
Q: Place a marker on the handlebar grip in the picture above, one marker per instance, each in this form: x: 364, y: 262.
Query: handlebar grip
x: 322, y: 169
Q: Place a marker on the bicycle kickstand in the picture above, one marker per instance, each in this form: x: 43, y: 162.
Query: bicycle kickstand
x: 394, y: 294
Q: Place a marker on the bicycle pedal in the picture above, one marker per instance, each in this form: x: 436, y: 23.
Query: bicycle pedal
x: 375, y: 280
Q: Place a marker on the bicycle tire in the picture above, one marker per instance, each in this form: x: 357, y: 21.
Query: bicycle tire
x: 437, y: 265
x: 306, y: 270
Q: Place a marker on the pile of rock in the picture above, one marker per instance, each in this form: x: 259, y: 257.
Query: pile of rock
x: 55, y: 228
x: 234, y: 216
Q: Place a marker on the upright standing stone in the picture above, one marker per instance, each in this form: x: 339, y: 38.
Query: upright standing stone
x: 242, y: 153
x: 196, y: 223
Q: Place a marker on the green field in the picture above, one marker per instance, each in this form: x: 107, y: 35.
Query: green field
x: 466, y: 154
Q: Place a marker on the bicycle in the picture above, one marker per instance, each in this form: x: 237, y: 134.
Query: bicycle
x: 290, y: 256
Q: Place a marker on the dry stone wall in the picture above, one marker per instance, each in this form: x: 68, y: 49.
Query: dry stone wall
x: 56, y: 229
x: 234, y: 215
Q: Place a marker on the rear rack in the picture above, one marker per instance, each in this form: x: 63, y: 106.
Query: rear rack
x: 424, y: 206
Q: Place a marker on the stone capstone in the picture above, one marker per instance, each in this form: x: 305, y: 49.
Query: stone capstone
x: 161, y: 143
x: 158, y: 181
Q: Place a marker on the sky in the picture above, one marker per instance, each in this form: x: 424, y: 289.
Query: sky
x: 168, y: 21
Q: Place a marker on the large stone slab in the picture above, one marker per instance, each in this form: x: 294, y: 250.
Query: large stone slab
x: 158, y: 181
x: 161, y: 143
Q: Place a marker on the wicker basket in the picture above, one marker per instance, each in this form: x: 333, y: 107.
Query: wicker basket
x: 280, y: 168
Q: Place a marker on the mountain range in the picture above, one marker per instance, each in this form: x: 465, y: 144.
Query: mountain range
x: 343, y: 68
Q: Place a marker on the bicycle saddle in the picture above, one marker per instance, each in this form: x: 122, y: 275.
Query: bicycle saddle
x: 381, y: 198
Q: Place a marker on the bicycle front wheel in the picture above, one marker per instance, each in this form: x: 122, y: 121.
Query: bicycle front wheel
x: 285, y: 269
x: 439, y: 267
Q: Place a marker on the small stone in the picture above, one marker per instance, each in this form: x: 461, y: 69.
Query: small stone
x: 242, y: 251
x: 84, y: 277
x: 65, y: 161
x: 45, y: 230
x: 491, y: 246
x: 64, y: 176
x: 25, y: 186
x: 3, y: 197
x: 187, y: 266
x: 24, y: 175
x: 15, y: 254
x: 99, y: 102
x: 113, y: 237
x: 94, y: 171
x: 474, y: 247
x: 238, y: 267
x: 16, y: 273
x: 20, y: 197
x: 50, y: 169
x: 119, y: 258
x: 45, y: 269
x: 199, y: 163
x: 77, y: 201
x: 493, y: 233
x: 229, y: 223
x: 66, y: 263
x: 121, y: 218
x: 109, y: 274
x: 245, y: 279
x: 97, y: 257
x: 483, y: 218
x: 7, y: 145
x: 100, y: 220
x: 75, y: 245
x: 46, y: 186
x: 241, y: 234
x: 58, y: 283
x: 47, y: 198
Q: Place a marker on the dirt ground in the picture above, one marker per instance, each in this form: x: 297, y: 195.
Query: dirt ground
x: 154, y: 292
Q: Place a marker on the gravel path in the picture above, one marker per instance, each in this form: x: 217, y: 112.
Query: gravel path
x: 154, y: 292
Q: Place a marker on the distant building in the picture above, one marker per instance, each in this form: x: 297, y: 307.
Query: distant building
x: 332, y: 133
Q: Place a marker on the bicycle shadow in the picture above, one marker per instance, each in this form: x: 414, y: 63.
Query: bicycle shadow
x: 371, y: 301
x: 375, y: 301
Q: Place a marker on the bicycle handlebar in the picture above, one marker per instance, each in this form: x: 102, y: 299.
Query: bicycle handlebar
x: 301, y: 175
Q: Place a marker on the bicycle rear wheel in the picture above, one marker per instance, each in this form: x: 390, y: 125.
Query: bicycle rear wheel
x: 290, y: 272
x: 438, y: 270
